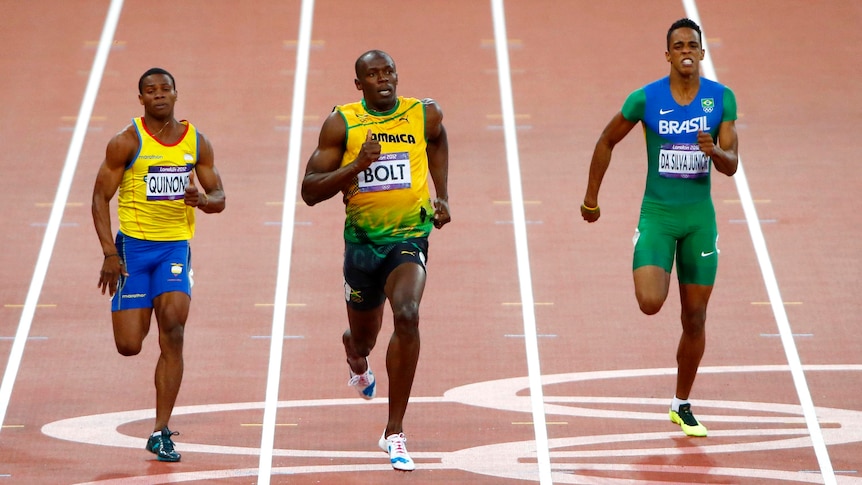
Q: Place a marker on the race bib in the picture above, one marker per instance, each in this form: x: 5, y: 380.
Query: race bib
x: 390, y: 172
x: 682, y: 160
x: 167, y: 183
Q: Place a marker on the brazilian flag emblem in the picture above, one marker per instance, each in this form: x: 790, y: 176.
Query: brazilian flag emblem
x: 708, y: 104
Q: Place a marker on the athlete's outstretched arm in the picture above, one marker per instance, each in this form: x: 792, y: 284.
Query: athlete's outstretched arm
x: 614, y: 132
x: 438, y: 160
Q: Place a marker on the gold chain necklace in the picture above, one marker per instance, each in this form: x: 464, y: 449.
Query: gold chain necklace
x: 163, y: 128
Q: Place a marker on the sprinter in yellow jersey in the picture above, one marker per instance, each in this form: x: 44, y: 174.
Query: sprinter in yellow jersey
x: 378, y: 153
x: 153, y: 163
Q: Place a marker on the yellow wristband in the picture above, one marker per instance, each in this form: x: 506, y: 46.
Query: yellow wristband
x: 591, y: 210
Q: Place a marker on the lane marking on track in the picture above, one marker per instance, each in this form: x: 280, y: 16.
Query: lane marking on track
x: 60, y: 199
x: 92, y: 118
x: 499, y: 116
x: 38, y: 305
x: 276, y: 348
x: 536, y: 303
x: 507, y: 43
x: 273, y: 304
x: 771, y: 282
x: 286, y: 337
x: 549, y: 423
x: 296, y: 223
x: 292, y: 43
x: 746, y: 221
x: 517, y: 127
x: 540, y: 335
x: 531, y: 344
x: 309, y: 118
x: 116, y: 44
x: 51, y: 204
x: 62, y: 224
x: 261, y: 424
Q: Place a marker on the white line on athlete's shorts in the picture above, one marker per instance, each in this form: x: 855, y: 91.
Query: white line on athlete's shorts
x: 771, y: 282
x: 530, y: 341
x: 59, y: 205
x: 288, y: 215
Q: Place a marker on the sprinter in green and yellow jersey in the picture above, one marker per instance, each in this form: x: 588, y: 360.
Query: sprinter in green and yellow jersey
x: 379, y: 153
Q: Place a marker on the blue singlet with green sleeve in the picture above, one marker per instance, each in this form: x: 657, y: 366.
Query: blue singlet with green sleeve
x: 678, y: 172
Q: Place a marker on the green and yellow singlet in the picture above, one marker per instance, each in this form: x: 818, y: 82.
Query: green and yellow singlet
x: 390, y: 201
x: 150, y: 201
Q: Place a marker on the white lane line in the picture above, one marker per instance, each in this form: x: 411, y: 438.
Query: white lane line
x: 59, y: 205
x: 523, y: 255
x: 771, y: 283
x: 288, y: 215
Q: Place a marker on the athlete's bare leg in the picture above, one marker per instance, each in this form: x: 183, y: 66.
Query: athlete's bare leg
x: 404, y: 287
x: 361, y: 337
x: 130, y: 329
x: 172, y: 311
x: 692, y: 342
x: 651, y: 288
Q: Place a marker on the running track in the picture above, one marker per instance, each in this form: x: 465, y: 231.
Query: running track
x: 519, y: 287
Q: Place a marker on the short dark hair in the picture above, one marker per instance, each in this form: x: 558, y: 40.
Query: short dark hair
x: 150, y: 72
x: 371, y: 54
x: 684, y: 23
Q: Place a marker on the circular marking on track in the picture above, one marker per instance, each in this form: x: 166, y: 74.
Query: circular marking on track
x: 516, y: 460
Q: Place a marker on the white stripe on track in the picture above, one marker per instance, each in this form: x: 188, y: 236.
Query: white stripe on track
x: 772, y: 289
x: 523, y: 254
x: 60, y: 200
x: 286, y: 244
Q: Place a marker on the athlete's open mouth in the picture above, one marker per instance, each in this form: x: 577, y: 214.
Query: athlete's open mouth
x: 687, y: 62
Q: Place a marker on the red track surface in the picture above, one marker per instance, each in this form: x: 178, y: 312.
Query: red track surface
x: 794, y: 68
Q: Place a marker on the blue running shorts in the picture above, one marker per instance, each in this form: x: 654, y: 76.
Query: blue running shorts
x: 154, y: 267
